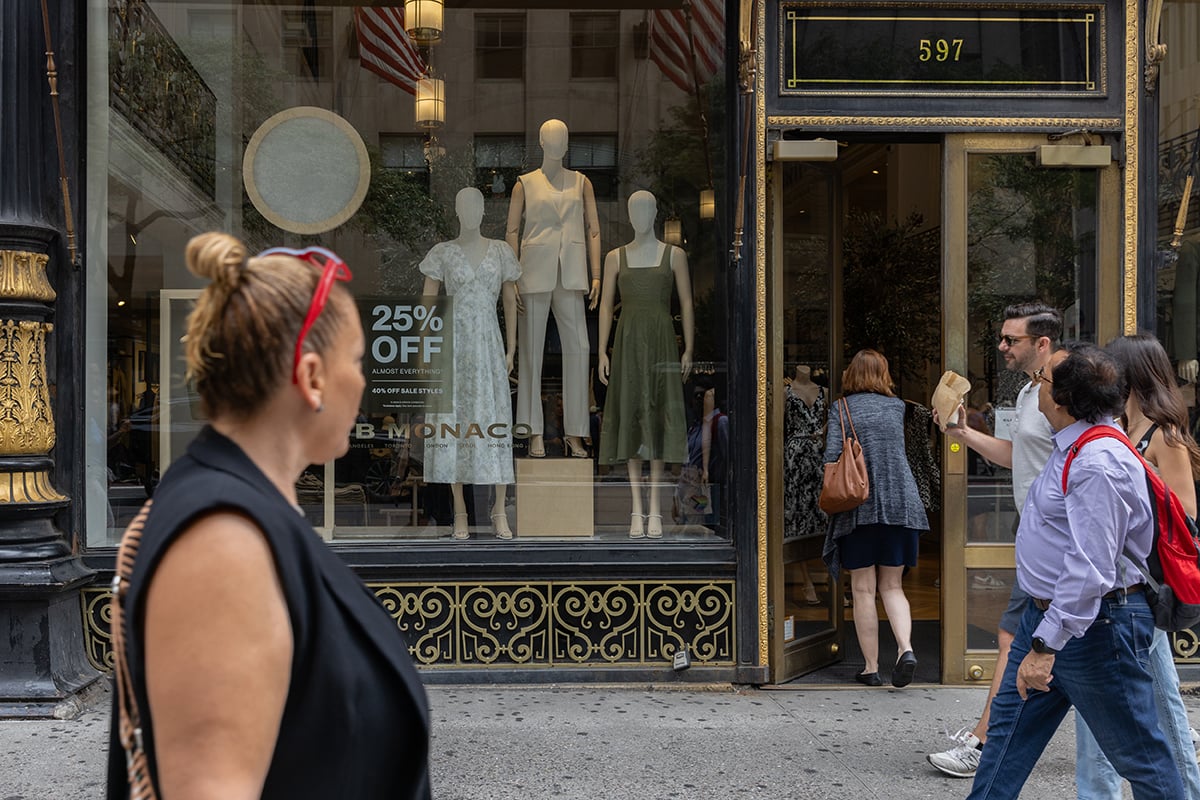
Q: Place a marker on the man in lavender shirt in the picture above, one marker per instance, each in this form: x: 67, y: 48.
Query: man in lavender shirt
x: 1084, y: 636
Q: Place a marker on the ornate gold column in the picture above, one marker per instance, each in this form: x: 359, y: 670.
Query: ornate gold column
x: 43, y: 664
x: 26, y: 418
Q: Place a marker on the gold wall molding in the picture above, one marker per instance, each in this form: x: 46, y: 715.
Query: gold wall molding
x: 760, y: 339
x: 23, y: 276
x: 529, y: 624
x: 999, y: 124
x: 26, y: 419
x: 1133, y: 93
x: 1156, y: 51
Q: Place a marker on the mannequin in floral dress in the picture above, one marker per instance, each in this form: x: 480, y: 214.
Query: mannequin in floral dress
x: 804, y: 413
x: 475, y: 272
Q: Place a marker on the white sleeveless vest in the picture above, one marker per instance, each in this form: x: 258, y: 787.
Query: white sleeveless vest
x: 554, y: 235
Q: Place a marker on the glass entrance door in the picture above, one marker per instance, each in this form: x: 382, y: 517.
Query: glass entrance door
x: 804, y: 225
x: 1014, y: 232
x: 855, y: 263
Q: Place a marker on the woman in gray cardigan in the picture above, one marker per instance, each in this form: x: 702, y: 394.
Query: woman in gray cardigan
x: 877, y: 540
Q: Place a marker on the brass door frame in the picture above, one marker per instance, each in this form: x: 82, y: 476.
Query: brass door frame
x: 789, y: 659
x: 960, y: 665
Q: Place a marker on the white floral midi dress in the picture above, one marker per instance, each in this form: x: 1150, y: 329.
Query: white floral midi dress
x: 482, y: 398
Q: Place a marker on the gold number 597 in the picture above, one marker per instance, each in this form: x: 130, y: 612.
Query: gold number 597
x: 940, y: 49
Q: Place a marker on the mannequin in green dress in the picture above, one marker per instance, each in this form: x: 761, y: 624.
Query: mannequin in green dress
x: 643, y: 409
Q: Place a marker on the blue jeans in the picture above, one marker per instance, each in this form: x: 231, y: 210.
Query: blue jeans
x: 1096, y: 779
x: 1104, y: 674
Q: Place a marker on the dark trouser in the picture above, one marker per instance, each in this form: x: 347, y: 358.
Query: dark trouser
x: 1103, y: 674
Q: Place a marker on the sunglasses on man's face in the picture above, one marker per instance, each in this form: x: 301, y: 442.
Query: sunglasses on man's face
x: 1009, y: 341
x: 332, y: 268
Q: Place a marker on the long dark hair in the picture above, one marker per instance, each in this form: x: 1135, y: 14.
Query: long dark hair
x: 1149, y: 378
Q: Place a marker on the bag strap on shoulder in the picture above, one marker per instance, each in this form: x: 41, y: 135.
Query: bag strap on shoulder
x: 1106, y: 432
x: 130, y: 723
x: 845, y: 404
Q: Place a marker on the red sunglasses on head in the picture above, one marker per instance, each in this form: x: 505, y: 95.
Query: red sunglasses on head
x: 332, y: 269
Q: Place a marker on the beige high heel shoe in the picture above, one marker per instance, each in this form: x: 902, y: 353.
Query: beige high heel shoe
x: 462, y: 527
x: 500, y: 525
x: 637, y: 526
x: 654, y: 528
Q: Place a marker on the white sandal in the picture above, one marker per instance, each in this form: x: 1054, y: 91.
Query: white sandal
x: 500, y: 525
x: 637, y: 526
x: 654, y: 528
x: 462, y: 531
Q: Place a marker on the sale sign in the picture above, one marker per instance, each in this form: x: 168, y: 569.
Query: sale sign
x: 408, y: 364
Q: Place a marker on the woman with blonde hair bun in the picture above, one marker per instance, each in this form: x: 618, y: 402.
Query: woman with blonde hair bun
x: 256, y: 662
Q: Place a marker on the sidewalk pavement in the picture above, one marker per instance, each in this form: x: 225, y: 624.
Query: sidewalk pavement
x: 640, y: 742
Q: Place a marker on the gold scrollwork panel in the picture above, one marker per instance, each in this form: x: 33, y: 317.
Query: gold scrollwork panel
x: 1184, y: 646
x: 532, y: 624
x: 597, y: 623
x: 97, y: 627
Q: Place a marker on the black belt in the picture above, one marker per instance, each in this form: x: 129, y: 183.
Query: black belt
x: 1042, y: 605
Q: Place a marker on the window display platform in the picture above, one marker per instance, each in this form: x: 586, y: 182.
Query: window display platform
x: 554, y: 497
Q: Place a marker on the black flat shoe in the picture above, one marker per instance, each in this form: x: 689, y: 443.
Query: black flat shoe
x: 906, y: 665
x: 869, y: 679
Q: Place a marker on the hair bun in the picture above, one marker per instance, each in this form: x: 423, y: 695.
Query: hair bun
x: 217, y: 256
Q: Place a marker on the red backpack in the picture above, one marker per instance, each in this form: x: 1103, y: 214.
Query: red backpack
x: 1174, y: 560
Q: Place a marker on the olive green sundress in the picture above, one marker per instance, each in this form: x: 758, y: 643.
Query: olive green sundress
x: 643, y: 410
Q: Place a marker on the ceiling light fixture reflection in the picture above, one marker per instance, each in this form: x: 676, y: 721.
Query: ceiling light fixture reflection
x: 423, y: 20
x: 431, y: 102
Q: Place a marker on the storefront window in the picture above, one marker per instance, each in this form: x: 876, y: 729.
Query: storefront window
x: 1179, y: 192
x: 330, y: 125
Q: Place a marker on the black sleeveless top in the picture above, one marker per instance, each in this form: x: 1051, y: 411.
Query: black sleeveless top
x: 356, y: 720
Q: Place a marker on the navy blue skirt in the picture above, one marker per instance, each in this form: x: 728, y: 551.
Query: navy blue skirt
x: 879, y: 546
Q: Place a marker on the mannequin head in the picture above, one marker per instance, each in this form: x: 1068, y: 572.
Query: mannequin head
x: 468, y: 205
x: 643, y: 209
x: 553, y: 138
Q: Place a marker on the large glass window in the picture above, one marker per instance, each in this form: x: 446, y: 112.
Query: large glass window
x: 594, y: 45
x: 301, y: 126
x: 499, y: 46
x: 499, y: 159
x: 1178, y: 258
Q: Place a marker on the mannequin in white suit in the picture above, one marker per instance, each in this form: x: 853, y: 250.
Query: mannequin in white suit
x: 560, y: 242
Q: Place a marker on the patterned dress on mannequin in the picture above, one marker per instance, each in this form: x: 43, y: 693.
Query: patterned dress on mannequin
x: 803, y: 452
x: 481, y: 389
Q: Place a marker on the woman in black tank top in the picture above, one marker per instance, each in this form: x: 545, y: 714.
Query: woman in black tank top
x: 259, y: 665
x: 1156, y: 418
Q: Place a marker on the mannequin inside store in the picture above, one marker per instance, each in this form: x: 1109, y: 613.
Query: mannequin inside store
x: 837, y: 222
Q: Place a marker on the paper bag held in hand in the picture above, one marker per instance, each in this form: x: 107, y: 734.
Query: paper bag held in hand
x: 948, y: 396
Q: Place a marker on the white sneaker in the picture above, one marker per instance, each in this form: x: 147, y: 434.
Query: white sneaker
x: 959, y: 761
x: 988, y: 582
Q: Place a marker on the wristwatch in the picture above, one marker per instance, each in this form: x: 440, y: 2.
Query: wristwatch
x: 1039, y: 646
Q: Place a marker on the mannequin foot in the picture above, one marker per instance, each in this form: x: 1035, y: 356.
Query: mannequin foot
x: 575, y: 447
x: 500, y: 525
x: 636, y: 529
x: 537, y: 446
x: 461, y: 525
x: 654, y: 528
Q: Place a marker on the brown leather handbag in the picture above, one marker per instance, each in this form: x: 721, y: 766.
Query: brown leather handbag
x: 846, y: 485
